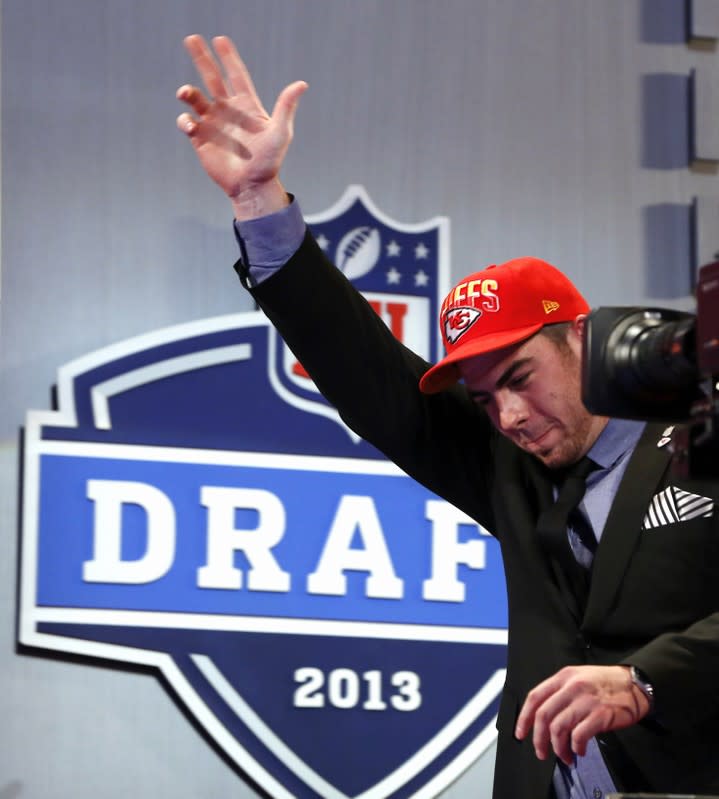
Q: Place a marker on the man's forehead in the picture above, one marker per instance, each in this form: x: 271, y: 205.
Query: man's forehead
x: 492, y: 364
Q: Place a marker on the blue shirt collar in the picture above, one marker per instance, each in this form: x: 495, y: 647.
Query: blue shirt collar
x: 619, y: 436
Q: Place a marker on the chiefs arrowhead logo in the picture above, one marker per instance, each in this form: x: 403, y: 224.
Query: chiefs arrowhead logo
x: 457, y: 322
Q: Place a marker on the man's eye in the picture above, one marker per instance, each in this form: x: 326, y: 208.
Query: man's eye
x: 519, y: 380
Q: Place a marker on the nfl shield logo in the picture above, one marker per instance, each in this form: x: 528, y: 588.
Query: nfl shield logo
x: 194, y: 505
x: 402, y: 270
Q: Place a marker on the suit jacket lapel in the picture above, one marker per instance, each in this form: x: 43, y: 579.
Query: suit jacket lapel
x: 644, y: 472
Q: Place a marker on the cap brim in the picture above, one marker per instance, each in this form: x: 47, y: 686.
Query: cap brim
x: 446, y: 373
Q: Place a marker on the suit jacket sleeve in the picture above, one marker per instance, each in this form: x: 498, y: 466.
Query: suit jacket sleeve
x: 372, y: 379
x: 684, y: 668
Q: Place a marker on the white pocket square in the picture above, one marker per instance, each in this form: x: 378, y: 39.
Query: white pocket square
x: 674, y: 505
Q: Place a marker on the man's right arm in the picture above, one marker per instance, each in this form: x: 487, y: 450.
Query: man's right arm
x: 350, y: 353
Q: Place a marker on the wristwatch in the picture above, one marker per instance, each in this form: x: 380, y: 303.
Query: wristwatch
x: 639, y: 679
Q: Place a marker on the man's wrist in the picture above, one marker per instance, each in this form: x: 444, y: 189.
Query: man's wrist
x: 642, y: 686
x: 268, y: 242
x: 260, y: 200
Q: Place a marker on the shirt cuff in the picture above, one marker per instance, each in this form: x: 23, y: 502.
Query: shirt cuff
x: 268, y: 242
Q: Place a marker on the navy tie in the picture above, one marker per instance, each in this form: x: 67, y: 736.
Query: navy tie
x: 554, y: 522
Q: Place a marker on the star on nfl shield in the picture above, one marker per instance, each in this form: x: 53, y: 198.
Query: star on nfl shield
x: 193, y: 504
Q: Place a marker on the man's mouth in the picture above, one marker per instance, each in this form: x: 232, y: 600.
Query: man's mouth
x: 533, y: 444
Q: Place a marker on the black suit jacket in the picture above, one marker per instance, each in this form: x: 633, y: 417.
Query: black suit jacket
x: 654, y: 597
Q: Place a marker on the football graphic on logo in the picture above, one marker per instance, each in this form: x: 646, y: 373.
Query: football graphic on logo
x: 358, y: 251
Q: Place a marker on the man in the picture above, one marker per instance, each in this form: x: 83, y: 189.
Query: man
x: 613, y: 647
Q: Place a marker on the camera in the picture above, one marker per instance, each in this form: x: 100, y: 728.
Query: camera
x: 660, y: 364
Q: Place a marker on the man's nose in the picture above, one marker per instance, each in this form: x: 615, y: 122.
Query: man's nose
x: 512, y: 412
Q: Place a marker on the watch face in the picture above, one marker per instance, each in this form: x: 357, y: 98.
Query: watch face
x: 642, y: 683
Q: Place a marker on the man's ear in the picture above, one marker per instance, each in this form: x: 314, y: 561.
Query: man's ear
x: 575, y: 334
x: 578, y: 324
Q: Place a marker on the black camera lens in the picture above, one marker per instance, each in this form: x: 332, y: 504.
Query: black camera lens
x: 653, y: 355
x: 639, y: 363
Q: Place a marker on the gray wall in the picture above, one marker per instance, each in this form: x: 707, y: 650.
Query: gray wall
x: 554, y: 127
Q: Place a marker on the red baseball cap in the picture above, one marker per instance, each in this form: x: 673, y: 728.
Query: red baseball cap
x: 501, y: 305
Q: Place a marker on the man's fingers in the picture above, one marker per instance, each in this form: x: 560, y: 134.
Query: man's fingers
x: 590, y: 726
x: 535, y: 698
x: 553, y: 720
x: 239, y: 83
x: 193, y: 97
x: 571, y: 729
x: 286, y: 106
x: 206, y: 66
x: 187, y: 124
x: 238, y: 76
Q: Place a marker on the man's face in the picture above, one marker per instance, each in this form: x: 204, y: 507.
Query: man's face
x: 532, y: 394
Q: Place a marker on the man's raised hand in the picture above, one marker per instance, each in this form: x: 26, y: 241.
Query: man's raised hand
x: 240, y: 146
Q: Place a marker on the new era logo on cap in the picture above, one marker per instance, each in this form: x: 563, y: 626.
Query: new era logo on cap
x: 550, y: 306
